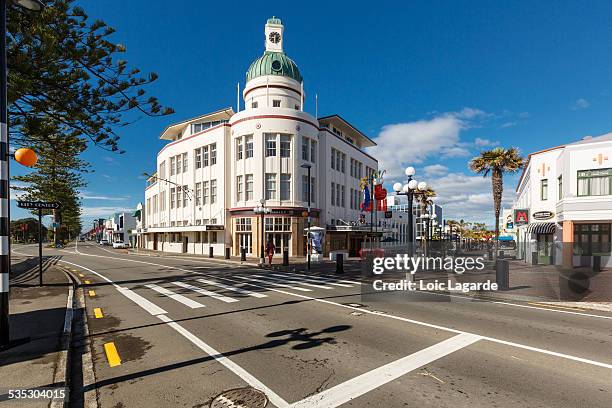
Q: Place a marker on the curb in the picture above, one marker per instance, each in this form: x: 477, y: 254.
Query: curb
x: 62, y: 368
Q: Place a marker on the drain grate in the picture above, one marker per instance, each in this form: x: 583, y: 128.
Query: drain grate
x: 247, y: 397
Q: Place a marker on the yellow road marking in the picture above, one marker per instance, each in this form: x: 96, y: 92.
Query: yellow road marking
x: 98, y: 313
x: 554, y: 306
x: 92, y: 293
x: 111, y: 354
x: 87, y: 282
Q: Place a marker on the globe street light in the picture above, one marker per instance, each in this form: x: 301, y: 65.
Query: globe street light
x: 263, y: 210
x: 408, y: 190
x: 5, y: 237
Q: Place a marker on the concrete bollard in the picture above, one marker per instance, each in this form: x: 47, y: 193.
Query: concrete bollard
x: 243, y: 254
x: 340, y: 263
x: 502, y: 274
x: 286, y: 257
x: 534, y: 258
x: 210, y: 252
x: 227, y: 253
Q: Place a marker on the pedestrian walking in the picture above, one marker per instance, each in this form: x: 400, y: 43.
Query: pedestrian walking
x: 270, y: 249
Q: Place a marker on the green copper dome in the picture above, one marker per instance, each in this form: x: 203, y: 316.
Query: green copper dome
x: 274, y: 63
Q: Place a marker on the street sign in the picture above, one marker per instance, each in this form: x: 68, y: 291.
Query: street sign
x: 521, y: 217
x: 39, y: 205
x: 543, y: 215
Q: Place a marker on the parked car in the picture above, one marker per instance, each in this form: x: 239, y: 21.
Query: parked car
x: 120, y: 244
x: 104, y: 242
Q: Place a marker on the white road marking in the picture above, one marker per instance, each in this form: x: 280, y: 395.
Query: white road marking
x: 328, y: 278
x: 142, y: 302
x: 205, y: 292
x: 417, y: 322
x: 297, y: 280
x: 233, y: 288
x: 235, y: 368
x: 319, y: 280
x: 273, y: 283
x: 175, y: 296
x: 364, y: 383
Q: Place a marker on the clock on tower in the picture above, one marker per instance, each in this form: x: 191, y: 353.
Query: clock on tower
x: 274, y: 35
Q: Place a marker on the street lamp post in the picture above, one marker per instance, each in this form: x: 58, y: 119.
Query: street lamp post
x: 409, y: 190
x: 5, y: 237
x: 308, y: 248
x: 261, y: 209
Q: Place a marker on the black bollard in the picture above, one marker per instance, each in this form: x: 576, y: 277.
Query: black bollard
x: 210, y: 252
x: 534, y: 258
x: 227, y: 253
x: 286, y: 257
x: 242, y: 254
x: 340, y: 263
x: 502, y: 274
x: 596, y: 263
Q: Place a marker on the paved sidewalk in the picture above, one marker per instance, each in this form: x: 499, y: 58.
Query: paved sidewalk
x: 37, y: 319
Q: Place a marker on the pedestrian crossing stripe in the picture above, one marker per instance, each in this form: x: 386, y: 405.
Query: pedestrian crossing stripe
x: 233, y: 288
x: 205, y: 292
x: 175, y: 296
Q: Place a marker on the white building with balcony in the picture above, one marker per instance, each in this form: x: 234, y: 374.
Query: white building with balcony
x: 567, y: 192
x: 218, y: 167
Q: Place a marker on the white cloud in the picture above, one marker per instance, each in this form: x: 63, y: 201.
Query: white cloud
x: 580, y: 103
x: 435, y: 170
x: 403, y: 144
x: 469, y: 197
x: 479, y: 142
x: 93, y: 196
x: 103, y: 212
x: 508, y: 124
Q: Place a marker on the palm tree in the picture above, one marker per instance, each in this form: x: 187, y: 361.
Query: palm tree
x: 497, y: 162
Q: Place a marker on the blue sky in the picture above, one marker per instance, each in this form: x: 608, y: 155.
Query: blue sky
x: 434, y: 81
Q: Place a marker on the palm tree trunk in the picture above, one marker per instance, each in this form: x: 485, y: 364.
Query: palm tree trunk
x: 498, y: 188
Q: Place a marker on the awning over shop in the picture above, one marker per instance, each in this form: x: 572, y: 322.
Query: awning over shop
x: 541, y: 228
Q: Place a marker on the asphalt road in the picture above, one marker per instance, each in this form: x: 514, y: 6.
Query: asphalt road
x: 186, y: 330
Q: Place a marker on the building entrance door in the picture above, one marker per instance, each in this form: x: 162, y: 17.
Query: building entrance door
x: 245, y: 241
x: 545, y: 249
x: 281, y: 241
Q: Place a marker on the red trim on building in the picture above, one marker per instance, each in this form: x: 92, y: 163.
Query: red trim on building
x: 272, y: 86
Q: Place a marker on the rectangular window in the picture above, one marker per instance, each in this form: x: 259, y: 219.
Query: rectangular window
x: 352, y: 172
x: 560, y: 187
x: 544, y: 189
x: 333, y: 193
x: 198, y: 194
x: 179, y: 164
x: 213, y: 154
x: 338, y: 202
x: 352, y: 197
x: 198, y: 158
x: 343, y: 196
x: 185, y: 195
x: 249, y: 187
x: 313, y: 151
x: 270, y: 145
x: 305, y: 189
x: 162, y: 201
x: 179, y: 195
x: 360, y: 173
x: 285, y: 146
x: 172, y: 197
x: 239, y: 188
x: 305, y: 148
x: 249, y: 146
x: 185, y: 167
x: 213, y: 191
x: 239, y: 150
x: 313, y: 190
x: 205, y: 192
x: 172, y: 165
x: 594, y: 182
x: 333, y: 158
x: 254, y: 105
x: 205, y: 156
x: 270, y: 186
x: 285, y: 186
x: 276, y: 103
x: 591, y: 239
x: 343, y: 163
x: 162, y: 170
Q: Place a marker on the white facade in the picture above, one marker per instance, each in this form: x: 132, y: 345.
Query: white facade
x: 199, y: 200
x: 568, y: 192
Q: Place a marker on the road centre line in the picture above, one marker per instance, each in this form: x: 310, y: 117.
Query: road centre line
x: 371, y: 380
x: 434, y: 326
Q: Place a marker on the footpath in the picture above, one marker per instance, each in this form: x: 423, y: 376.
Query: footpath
x: 35, y: 364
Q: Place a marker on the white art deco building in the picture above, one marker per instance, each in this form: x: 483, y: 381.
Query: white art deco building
x: 218, y: 167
